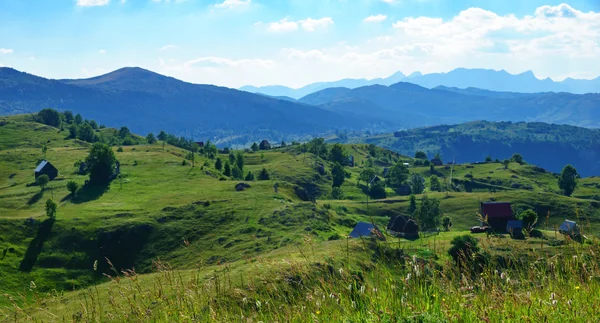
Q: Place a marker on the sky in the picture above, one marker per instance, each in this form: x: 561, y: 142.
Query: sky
x: 296, y: 42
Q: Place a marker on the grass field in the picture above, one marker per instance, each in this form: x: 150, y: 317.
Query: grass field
x: 188, y: 218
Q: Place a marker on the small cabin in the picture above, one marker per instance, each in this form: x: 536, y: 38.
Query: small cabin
x: 45, y: 168
x: 498, y: 215
x: 264, y: 145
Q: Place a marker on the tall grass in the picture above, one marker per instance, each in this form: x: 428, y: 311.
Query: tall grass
x: 371, y: 282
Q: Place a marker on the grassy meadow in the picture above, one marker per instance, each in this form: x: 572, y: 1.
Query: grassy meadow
x: 169, y: 241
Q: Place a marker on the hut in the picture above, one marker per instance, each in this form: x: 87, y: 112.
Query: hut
x: 45, y: 168
x: 264, y: 145
x: 569, y: 228
x: 497, y: 214
x: 366, y: 229
x: 515, y: 228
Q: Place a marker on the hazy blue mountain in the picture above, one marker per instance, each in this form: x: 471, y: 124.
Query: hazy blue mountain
x: 411, y: 105
x: 148, y: 102
x: 278, y: 90
x: 461, y: 78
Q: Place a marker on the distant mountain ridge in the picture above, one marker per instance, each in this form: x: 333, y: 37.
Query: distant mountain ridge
x: 486, y: 79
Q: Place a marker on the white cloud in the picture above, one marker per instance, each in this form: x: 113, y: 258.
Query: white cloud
x: 221, y: 62
x: 102, y: 51
x: 91, y: 3
x: 283, y: 25
x: 389, y: 1
x: 167, y: 47
x: 233, y: 3
x: 375, y: 18
x: 308, y: 24
x: 5, y: 51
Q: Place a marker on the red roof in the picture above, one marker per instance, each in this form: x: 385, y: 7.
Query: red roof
x: 498, y: 210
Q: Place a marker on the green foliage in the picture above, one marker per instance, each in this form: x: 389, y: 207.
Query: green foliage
x: 68, y: 116
x: 232, y: 159
x: 227, y: 169
x: 506, y: 162
x: 372, y: 150
x: 50, y: 208
x: 124, y: 132
x: 150, y: 138
x: 446, y: 223
x: 420, y: 155
x: 488, y: 159
x: 49, y: 117
x: 249, y: 177
x: 254, y: 147
x: 237, y: 173
x: 162, y: 135
x: 119, y: 149
x: 239, y: 160
x: 435, y: 184
x: 463, y: 247
x: 263, y: 175
x: 337, y: 193
x: 417, y: 183
x: 219, y: 164
x: 101, y: 163
x: 338, y: 155
x: 318, y: 147
x: 567, y: 180
x: 529, y: 218
x: 398, y: 174
x: 517, y: 158
x: 412, y: 205
x: 377, y: 191
x: 429, y: 213
x: 86, y: 133
x: 42, y: 181
x: 72, y: 187
x: 73, y: 131
x: 337, y: 172
x: 78, y: 119
x: 366, y: 175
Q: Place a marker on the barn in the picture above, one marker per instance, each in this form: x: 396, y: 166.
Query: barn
x: 498, y: 214
x: 45, y: 168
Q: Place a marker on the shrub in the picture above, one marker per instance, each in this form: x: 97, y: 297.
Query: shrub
x: 447, y: 223
x: 42, y: 181
x: 529, y: 218
x: 249, y: 177
x: 263, y: 175
x: 50, y: 208
x: 337, y: 193
x: 72, y: 186
x: 335, y: 236
x: 101, y: 163
x: 463, y: 247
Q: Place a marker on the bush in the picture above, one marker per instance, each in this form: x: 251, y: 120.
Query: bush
x: 335, y: 236
x: 529, y: 218
x: 42, y: 181
x: 463, y: 247
x: 72, y: 186
x: 120, y: 149
x: 101, y: 163
x: 446, y: 223
x: 263, y: 175
x: 337, y: 193
x: 50, y: 208
x: 249, y: 177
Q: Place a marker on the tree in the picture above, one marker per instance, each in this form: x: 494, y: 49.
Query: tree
x: 210, y: 149
x: 529, y: 218
x: 219, y: 164
x: 377, y: 191
x: 93, y: 124
x: 227, y: 169
x: 463, y: 247
x: 283, y: 144
x: 231, y: 158
x: 236, y: 172
x: 338, y: 155
x: 567, y: 180
x: 431, y: 169
x: 517, y: 158
x: 417, y: 183
x: 124, y: 132
x: 101, y: 163
x: 366, y: 175
x: 438, y: 157
x: 44, y: 150
x: 50, y: 208
x: 446, y: 223
x: 86, y: 133
x: 337, y: 193
x: 150, y: 138
x: 68, y: 116
x: 239, y: 160
x: 72, y: 186
x: 78, y: 119
x: 412, y: 205
x: 162, y: 135
x: 398, y: 174
x: 337, y: 172
x: 428, y: 214
x: 49, y: 117
x: 488, y: 159
x: 420, y: 155
x: 505, y: 163
x: 263, y: 175
x: 318, y: 147
x: 435, y: 184
x: 254, y: 147
x: 249, y: 177
x: 42, y: 181
x: 73, y: 131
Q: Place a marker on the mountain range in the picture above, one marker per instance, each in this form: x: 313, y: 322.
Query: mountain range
x: 149, y: 102
x: 486, y: 79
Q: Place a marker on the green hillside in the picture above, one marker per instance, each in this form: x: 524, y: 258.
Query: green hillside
x: 162, y: 209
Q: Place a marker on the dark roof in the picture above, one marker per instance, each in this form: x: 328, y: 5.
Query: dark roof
x: 41, y: 166
x: 514, y: 224
x: 497, y: 210
x: 397, y: 223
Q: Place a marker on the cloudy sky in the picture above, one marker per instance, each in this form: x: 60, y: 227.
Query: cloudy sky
x: 296, y: 42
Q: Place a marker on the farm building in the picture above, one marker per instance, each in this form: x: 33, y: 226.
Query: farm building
x: 45, y: 168
x: 497, y: 214
x: 365, y: 229
x: 515, y: 228
x: 264, y: 145
x: 404, y: 226
x: 569, y: 228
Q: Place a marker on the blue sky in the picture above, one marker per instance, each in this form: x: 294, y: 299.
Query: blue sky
x: 295, y: 42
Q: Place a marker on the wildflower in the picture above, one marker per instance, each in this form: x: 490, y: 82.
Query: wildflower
x: 577, y: 287
x: 258, y: 304
x: 341, y: 271
x: 554, y: 302
x: 443, y: 299
x: 318, y: 312
x: 552, y: 296
x: 96, y: 265
x: 32, y: 285
x: 374, y: 290
x: 362, y: 289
